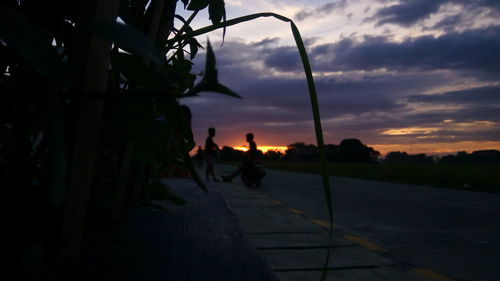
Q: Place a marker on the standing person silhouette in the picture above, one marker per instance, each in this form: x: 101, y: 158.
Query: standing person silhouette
x: 250, y: 157
x: 199, y: 157
x: 211, y: 148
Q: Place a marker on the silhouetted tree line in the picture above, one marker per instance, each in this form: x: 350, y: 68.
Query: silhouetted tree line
x: 230, y: 154
x: 403, y: 157
x: 479, y: 156
x: 354, y: 151
x: 349, y: 150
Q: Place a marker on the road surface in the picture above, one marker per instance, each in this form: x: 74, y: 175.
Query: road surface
x: 455, y: 233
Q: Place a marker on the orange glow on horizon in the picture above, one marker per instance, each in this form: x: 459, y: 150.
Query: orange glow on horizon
x: 264, y: 148
x: 438, y: 148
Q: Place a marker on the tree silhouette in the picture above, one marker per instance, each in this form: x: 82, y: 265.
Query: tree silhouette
x: 353, y: 150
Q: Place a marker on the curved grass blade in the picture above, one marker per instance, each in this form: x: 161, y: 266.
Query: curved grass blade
x: 312, y: 95
x: 225, y: 24
x: 319, y: 134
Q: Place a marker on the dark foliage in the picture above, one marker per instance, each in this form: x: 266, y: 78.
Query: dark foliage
x: 91, y: 118
x: 352, y: 150
x: 230, y: 154
x: 349, y: 150
x: 46, y: 60
x: 273, y: 155
x: 403, y: 157
x: 480, y: 156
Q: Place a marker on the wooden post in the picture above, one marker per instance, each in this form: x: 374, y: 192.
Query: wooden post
x: 123, y: 181
x: 93, y: 80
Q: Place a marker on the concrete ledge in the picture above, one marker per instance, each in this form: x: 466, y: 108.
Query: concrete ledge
x: 198, y: 241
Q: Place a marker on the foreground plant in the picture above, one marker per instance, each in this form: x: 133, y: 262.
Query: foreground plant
x: 91, y: 116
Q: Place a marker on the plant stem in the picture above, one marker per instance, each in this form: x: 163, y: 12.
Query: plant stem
x: 183, y: 28
x: 312, y: 95
x: 87, y: 135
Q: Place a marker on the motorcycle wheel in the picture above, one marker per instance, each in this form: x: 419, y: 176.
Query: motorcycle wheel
x: 257, y: 182
x: 246, y: 180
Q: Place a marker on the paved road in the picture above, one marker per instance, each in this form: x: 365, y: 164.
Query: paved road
x: 455, y: 233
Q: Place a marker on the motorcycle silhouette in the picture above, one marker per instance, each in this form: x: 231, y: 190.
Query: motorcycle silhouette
x: 252, y: 173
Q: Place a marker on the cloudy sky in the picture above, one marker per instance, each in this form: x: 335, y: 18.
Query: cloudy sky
x: 421, y: 76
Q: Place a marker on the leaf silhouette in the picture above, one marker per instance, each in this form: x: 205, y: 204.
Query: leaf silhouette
x: 216, y: 11
x: 210, y: 82
x: 196, y: 5
x: 193, y: 47
x: 30, y: 42
x: 128, y: 38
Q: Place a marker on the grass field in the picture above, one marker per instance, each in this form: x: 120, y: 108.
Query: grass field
x: 475, y: 177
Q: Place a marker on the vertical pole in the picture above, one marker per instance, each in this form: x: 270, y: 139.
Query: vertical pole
x: 93, y: 80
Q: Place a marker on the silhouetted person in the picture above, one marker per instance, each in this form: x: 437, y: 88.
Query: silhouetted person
x: 250, y: 157
x: 199, y: 156
x: 211, y: 148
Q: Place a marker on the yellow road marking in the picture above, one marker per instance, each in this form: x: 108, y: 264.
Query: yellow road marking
x: 431, y: 274
x: 321, y: 223
x: 298, y: 212
x: 365, y: 243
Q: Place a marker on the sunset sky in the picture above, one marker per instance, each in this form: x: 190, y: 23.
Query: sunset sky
x: 411, y: 75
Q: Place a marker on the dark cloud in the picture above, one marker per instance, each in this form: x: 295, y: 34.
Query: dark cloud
x: 449, y: 24
x: 266, y: 42
x: 321, y: 11
x: 407, y: 12
x: 352, y: 105
x: 332, y: 7
x: 479, y: 112
x: 382, y: 93
x: 302, y: 15
x: 472, y: 108
x: 311, y: 41
x: 473, y: 50
x: 489, y: 95
x: 410, y: 12
x: 339, y: 96
x: 283, y: 58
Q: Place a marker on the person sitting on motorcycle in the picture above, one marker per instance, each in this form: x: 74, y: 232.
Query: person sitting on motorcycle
x: 251, y: 157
